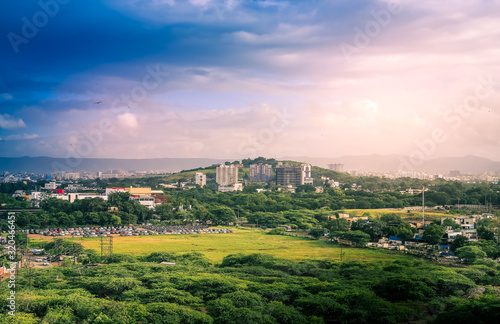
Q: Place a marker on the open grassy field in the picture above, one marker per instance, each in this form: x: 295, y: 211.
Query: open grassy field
x: 430, y: 214
x: 217, y: 246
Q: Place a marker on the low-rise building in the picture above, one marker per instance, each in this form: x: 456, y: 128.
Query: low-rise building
x: 200, y: 179
x: 110, y: 190
x: 464, y: 221
x: 50, y: 186
x: 235, y: 187
x: 144, y: 200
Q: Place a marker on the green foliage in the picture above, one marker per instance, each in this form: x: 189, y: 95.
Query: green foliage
x: 374, y: 228
x: 251, y: 288
x: 405, y: 288
x: 316, y: 232
x: 405, y: 232
x: 162, y: 295
x: 470, y: 253
x: 451, y: 223
x: 277, y: 231
x: 60, y: 246
x: 172, y: 313
x: 458, y: 242
x: 284, y: 314
x: 266, y: 261
x: 357, y: 237
x: 193, y: 258
x: 391, y: 218
x: 117, y: 258
x: 491, y: 248
x: 103, y: 286
x: 433, y: 234
x: 338, y: 225
x: 482, y: 310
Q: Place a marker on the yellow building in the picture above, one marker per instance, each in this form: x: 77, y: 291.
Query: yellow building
x: 139, y: 191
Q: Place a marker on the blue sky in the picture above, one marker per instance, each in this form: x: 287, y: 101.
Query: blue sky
x: 235, y: 78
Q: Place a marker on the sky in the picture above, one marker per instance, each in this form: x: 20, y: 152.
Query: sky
x: 238, y: 79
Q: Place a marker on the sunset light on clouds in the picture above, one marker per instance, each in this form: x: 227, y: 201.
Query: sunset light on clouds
x: 234, y: 78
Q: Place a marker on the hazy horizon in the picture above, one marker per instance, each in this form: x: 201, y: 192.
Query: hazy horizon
x: 231, y: 159
x: 209, y: 78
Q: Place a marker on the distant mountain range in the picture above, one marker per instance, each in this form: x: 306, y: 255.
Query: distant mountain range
x: 388, y: 163
x: 377, y: 163
x: 49, y: 164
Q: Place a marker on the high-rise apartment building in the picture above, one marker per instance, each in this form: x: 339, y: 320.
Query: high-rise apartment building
x: 293, y: 175
x: 306, y: 174
x: 261, y: 172
x: 339, y: 167
x: 288, y: 175
x: 226, y: 175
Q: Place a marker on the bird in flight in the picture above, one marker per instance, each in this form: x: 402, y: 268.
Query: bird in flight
x: 97, y: 102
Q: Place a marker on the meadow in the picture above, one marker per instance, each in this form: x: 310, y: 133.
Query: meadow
x: 246, y: 241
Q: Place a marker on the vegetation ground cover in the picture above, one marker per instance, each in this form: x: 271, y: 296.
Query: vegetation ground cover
x: 216, y: 246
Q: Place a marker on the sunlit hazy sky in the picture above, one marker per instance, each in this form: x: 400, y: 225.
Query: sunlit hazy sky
x: 235, y: 78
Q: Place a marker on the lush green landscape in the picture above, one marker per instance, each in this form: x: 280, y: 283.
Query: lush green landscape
x: 294, y: 280
x: 217, y: 246
x: 260, y: 273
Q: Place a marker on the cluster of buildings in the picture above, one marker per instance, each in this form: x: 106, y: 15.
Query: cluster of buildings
x: 454, y: 175
x: 286, y: 175
x: 7, y: 177
x: 466, y: 229
x: 145, y: 196
x: 338, y: 167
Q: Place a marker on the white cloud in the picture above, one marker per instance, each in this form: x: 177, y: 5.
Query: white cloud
x: 128, y: 120
x: 200, y: 2
x: 6, y: 96
x: 9, y: 122
x: 20, y: 137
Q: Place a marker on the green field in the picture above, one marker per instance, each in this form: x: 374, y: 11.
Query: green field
x: 247, y: 241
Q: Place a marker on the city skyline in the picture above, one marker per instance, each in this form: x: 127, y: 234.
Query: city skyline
x: 229, y: 78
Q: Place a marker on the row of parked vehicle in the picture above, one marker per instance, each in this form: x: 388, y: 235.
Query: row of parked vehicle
x: 126, y: 231
x: 179, y: 229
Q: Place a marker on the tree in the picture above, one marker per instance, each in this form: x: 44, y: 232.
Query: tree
x: 305, y: 188
x: 491, y: 248
x: 485, y: 228
x: 223, y: 215
x: 433, y: 234
x: 118, y: 198
x: 356, y: 237
x: 449, y: 222
x: 375, y: 229
x: 391, y: 218
x: 458, y: 242
x: 21, y: 240
x: 470, y: 253
x: 317, y: 232
x: 338, y: 225
x: 405, y: 232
